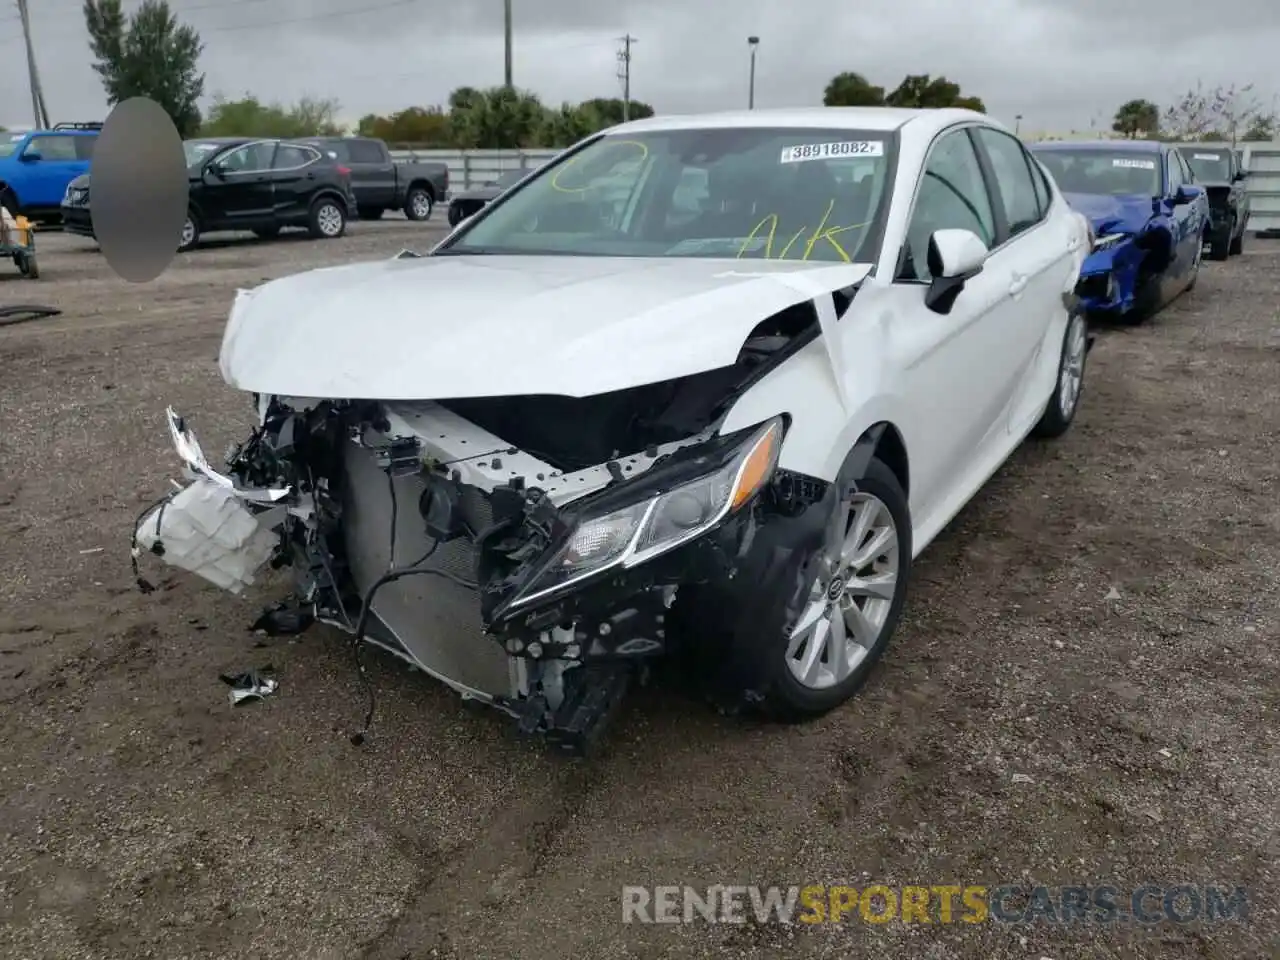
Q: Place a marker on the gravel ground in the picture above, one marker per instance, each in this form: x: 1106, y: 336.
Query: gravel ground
x: 1084, y: 690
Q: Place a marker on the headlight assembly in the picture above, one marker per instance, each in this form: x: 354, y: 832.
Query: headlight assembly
x: 632, y: 534
x: 1109, y: 240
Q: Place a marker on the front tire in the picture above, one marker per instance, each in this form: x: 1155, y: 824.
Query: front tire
x: 1220, y: 243
x: 1061, y: 410
x: 1237, y: 245
x: 190, y: 233
x: 326, y: 220
x: 851, y: 608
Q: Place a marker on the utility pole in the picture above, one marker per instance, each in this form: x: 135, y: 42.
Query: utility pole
x: 39, y: 111
x: 752, y: 42
x: 624, y: 74
x: 506, y: 31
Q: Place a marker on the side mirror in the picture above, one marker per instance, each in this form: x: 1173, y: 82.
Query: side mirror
x: 1185, y: 195
x: 32, y: 156
x: 1241, y: 175
x: 216, y: 170
x: 955, y: 257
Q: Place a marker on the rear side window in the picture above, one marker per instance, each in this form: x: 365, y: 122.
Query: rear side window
x: 57, y: 146
x: 84, y: 147
x: 1012, y: 166
x: 365, y: 151
x: 290, y: 157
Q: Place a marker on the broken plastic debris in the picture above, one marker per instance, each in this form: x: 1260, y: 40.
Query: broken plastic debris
x: 206, y: 529
x: 193, y: 457
x: 251, y: 685
x: 1112, y: 594
x: 1022, y: 778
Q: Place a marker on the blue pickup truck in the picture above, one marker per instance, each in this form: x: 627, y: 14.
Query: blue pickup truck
x: 37, y: 165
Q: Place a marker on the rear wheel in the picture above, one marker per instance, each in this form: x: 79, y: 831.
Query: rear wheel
x: 418, y: 203
x: 326, y: 220
x: 1065, y: 401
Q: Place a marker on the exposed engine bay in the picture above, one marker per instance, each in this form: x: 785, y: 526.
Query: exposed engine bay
x: 527, y: 550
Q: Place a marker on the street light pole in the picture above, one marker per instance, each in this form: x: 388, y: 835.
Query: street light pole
x: 1017, y: 124
x: 752, y: 42
x: 506, y: 35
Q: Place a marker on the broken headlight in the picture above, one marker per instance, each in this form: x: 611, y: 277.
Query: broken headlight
x: 630, y: 535
x: 1107, y: 241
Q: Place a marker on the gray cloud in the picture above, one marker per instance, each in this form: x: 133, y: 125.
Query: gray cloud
x: 1059, y: 65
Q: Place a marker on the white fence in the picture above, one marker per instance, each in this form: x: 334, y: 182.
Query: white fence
x: 472, y: 168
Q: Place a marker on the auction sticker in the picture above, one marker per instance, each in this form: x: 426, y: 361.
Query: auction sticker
x: 826, y: 151
x: 1134, y: 164
x: 1208, y: 156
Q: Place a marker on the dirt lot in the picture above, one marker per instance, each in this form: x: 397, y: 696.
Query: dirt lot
x: 1101, y: 620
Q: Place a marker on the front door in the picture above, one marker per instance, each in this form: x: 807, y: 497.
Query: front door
x: 57, y: 165
x: 240, y: 195
x: 957, y: 366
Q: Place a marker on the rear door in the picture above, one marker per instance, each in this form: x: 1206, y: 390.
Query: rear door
x: 59, y: 163
x: 294, y: 171
x: 373, y: 174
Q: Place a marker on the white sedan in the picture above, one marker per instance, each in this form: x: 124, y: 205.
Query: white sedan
x: 703, y: 387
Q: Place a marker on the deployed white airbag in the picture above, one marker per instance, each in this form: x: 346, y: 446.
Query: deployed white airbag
x: 206, y: 529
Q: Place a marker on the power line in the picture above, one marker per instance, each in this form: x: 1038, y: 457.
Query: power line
x: 624, y: 74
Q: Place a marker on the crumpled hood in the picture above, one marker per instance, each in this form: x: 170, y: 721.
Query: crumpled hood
x: 1111, y: 214
x: 475, y: 326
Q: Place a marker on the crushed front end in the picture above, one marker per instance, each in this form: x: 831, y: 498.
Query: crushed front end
x: 539, y: 589
x: 1110, y: 276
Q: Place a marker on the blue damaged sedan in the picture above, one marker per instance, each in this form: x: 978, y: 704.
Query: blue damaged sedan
x: 1149, y: 221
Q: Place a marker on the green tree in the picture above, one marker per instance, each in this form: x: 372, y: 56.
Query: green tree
x: 605, y: 112
x: 923, y: 91
x: 566, y: 126
x: 1137, y: 118
x: 149, y: 55
x: 250, y: 117
x: 1263, y: 128
x: 852, y: 90
x: 417, y: 126
x: 500, y: 118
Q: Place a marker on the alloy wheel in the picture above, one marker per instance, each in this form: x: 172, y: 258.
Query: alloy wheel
x: 848, y: 606
x: 421, y: 205
x: 188, y: 233
x: 329, y: 219
x: 1071, y: 378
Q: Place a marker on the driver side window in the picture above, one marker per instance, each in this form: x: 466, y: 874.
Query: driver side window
x: 254, y: 158
x: 952, y: 195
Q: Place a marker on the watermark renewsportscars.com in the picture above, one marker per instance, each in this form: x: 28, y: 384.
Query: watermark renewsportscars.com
x: 1149, y: 904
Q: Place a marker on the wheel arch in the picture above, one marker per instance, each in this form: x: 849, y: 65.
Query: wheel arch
x: 329, y: 193
x: 884, y: 441
x: 424, y: 184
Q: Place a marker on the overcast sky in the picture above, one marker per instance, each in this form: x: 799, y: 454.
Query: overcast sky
x: 1059, y: 63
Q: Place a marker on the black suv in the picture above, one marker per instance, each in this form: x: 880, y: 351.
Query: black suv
x: 247, y: 184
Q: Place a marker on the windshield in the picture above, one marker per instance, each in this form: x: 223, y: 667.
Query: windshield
x: 1115, y: 173
x: 1209, y: 166
x: 745, y: 193
x: 510, y: 178
x: 198, y: 151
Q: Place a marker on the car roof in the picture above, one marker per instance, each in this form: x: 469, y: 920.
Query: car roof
x: 887, y: 119
x: 1113, y: 146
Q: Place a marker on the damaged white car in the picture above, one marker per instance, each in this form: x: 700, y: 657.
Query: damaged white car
x: 701, y: 387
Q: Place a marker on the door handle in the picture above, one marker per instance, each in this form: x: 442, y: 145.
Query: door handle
x: 1017, y: 286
